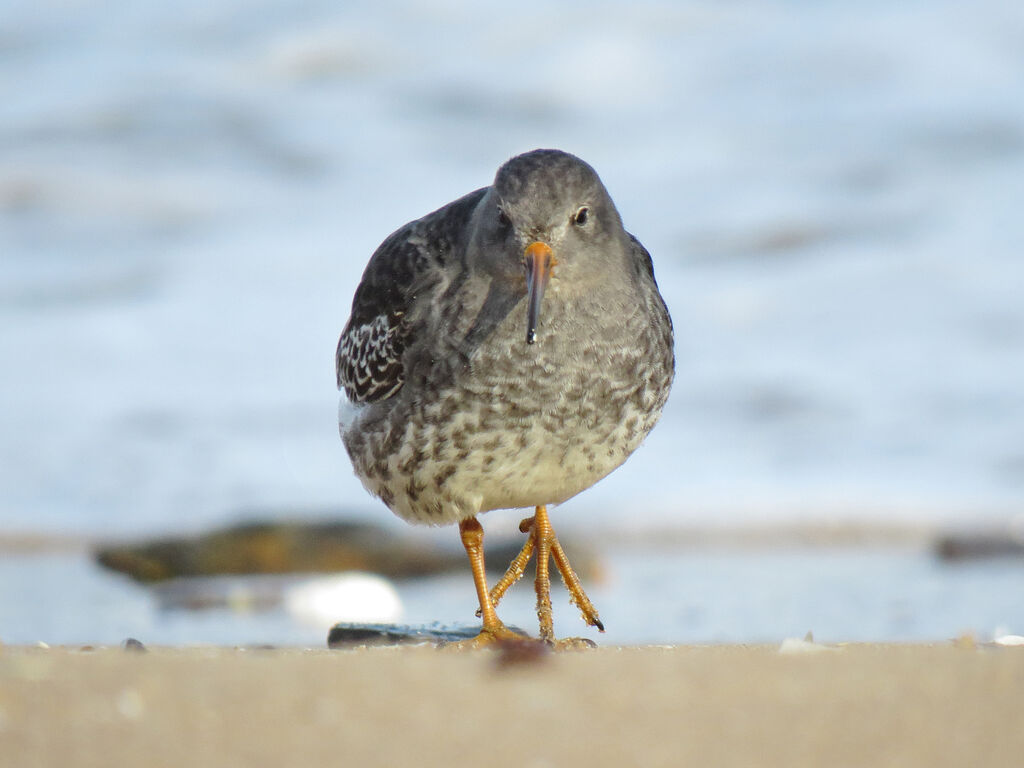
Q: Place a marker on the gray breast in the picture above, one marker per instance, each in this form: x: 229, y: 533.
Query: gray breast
x: 486, y: 421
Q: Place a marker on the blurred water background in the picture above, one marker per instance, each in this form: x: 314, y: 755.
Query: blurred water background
x: 832, y: 194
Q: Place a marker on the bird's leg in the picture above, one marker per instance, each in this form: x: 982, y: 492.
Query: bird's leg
x: 541, y: 538
x: 493, y: 629
x: 547, y: 545
x: 543, y: 535
x: 517, y: 567
x: 472, y: 534
x: 572, y: 583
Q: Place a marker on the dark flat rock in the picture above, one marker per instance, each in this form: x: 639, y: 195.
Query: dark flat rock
x: 355, y: 635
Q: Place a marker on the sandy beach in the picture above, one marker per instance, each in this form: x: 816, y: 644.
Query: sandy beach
x: 857, y: 705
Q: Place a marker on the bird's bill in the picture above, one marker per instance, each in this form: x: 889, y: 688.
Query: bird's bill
x: 539, y: 261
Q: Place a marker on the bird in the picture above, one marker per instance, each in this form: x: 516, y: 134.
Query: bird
x: 506, y: 351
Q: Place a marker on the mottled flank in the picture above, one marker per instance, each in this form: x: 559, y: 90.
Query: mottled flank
x: 455, y: 413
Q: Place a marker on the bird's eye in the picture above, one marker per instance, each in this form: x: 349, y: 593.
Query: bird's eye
x: 503, y: 221
x: 580, y: 218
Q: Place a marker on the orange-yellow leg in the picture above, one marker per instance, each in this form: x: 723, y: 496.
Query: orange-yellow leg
x: 543, y: 534
x: 572, y: 583
x: 493, y: 629
x: 542, y: 539
x: 517, y: 567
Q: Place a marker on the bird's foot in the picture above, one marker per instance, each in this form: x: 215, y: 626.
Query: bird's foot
x: 572, y: 583
x: 547, y: 546
x: 573, y: 644
x: 542, y: 538
x: 510, y: 641
x: 489, y: 637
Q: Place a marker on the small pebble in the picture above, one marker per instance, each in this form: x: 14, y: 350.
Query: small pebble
x: 794, y: 645
x: 131, y: 644
x: 966, y: 642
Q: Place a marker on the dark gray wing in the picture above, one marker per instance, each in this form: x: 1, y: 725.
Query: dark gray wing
x: 641, y: 257
x: 369, y: 360
x: 660, y: 319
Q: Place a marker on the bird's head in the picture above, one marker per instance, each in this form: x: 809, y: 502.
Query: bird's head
x: 546, y: 218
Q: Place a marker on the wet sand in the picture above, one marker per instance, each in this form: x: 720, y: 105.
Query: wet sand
x: 710, y: 706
